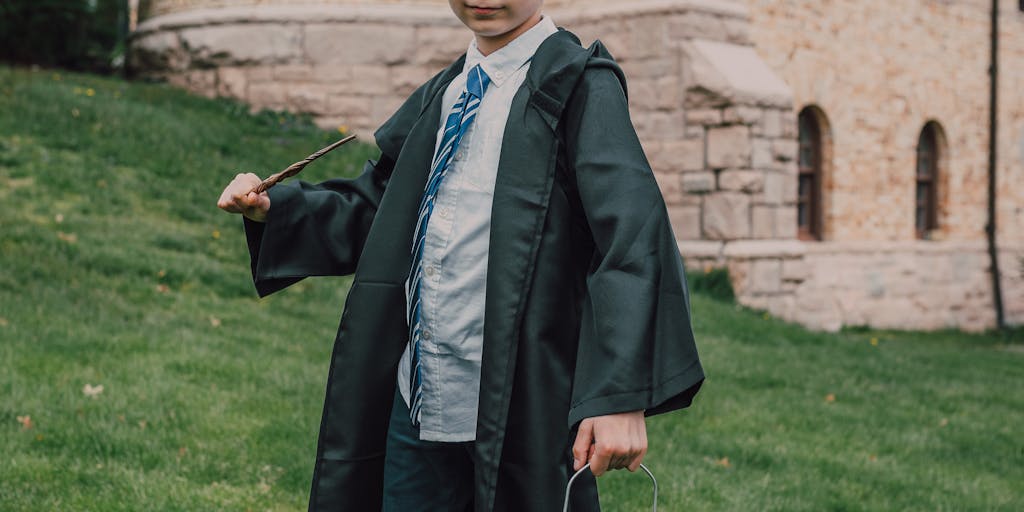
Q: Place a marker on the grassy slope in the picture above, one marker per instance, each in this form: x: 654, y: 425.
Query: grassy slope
x: 116, y: 269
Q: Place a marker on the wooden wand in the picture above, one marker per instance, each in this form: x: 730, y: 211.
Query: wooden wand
x: 294, y: 169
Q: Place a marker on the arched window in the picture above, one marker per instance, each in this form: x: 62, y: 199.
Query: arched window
x: 926, y: 207
x: 810, y: 161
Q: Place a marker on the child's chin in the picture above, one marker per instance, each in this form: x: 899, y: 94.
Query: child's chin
x: 488, y: 28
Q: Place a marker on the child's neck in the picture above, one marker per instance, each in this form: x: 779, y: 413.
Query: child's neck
x: 490, y: 44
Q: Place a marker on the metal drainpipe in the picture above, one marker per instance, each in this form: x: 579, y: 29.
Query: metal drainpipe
x: 990, y: 226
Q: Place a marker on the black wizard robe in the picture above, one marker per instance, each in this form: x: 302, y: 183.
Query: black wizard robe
x: 586, y: 313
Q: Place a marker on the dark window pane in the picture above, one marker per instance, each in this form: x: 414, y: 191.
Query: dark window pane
x: 809, y: 178
x: 923, y: 166
x: 806, y: 130
x: 926, y: 176
x: 806, y: 158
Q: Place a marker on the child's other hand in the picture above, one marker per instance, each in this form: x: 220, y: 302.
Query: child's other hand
x: 237, y: 198
x: 608, y: 442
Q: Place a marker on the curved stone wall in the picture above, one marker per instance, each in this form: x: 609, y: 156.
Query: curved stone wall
x: 154, y: 8
x: 351, y: 62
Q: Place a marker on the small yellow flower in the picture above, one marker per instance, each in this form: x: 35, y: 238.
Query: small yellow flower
x: 874, y: 342
x: 90, y: 92
x: 56, y: 77
x: 343, y: 129
x: 215, y: 234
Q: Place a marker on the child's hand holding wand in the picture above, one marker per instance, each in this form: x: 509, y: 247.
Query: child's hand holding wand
x: 240, y: 197
x: 247, y: 194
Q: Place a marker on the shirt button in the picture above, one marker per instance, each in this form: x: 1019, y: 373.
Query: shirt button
x: 445, y: 212
x: 460, y: 154
x: 430, y: 271
x: 425, y: 335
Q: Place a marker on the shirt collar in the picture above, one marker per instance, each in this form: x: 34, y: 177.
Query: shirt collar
x: 501, y: 64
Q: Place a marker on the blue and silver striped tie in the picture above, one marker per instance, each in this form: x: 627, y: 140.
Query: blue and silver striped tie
x: 459, y: 120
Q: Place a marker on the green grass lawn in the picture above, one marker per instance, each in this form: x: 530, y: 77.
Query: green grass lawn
x: 116, y: 270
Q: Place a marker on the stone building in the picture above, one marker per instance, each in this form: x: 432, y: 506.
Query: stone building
x: 833, y: 155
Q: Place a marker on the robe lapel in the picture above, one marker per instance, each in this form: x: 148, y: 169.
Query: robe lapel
x: 526, y: 173
x: 521, y: 194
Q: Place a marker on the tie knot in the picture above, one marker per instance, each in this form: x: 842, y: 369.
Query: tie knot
x: 477, y: 82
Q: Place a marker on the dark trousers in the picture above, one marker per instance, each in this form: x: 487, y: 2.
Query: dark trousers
x: 424, y: 476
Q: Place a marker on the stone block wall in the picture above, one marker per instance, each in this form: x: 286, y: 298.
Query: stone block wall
x: 742, y: 184
x: 879, y: 71
x: 888, y: 285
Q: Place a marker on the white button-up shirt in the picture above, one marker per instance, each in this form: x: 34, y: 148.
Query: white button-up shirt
x: 455, y: 248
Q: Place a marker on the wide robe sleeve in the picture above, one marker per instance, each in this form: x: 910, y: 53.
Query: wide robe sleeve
x: 320, y: 229
x: 315, y: 229
x: 636, y: 346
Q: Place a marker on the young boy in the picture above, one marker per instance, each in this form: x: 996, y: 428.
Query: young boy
x: 519, y: 303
